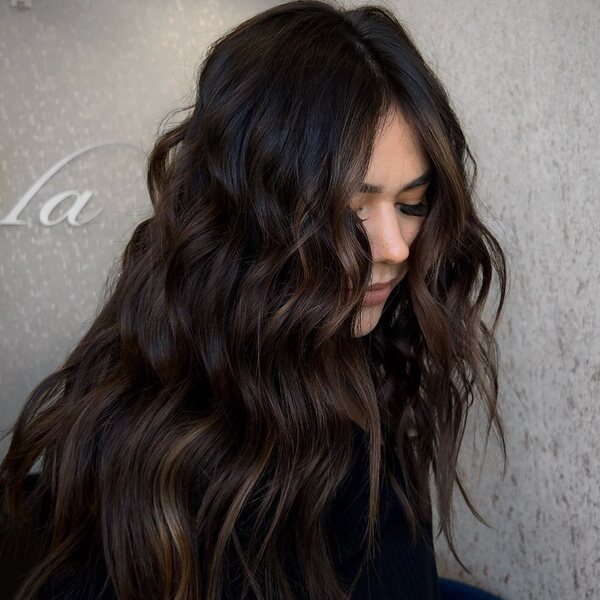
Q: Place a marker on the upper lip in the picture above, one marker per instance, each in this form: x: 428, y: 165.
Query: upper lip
x: 381, y: 286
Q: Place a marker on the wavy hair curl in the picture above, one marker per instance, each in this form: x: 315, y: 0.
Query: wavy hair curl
x: 206, y: 404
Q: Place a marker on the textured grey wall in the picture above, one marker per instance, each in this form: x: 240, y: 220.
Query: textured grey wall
x: 523, y: 77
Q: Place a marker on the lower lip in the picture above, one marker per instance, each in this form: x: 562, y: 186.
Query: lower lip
x: 375, y: 297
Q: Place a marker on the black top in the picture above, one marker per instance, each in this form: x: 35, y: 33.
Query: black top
x: 399, y: 571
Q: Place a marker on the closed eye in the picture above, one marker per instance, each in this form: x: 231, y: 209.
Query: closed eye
x: 415, y: 210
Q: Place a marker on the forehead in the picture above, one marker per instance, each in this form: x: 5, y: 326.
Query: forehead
x: 398, y: 155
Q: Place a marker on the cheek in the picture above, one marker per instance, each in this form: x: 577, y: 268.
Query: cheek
x: 411, y: 230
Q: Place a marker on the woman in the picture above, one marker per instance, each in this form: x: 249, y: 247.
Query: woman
x: 249, y: 415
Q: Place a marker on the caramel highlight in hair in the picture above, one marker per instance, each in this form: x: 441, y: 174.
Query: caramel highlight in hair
x: 202, y: 415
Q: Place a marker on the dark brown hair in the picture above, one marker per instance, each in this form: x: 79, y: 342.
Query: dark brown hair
x: 207, y: 397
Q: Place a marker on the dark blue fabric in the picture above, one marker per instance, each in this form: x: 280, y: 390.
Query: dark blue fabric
x: 451, y: 589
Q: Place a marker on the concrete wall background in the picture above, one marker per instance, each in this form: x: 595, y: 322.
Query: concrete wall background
x: 523, y: 77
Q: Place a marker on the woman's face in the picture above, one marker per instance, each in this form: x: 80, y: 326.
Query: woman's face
x: 394, y: 179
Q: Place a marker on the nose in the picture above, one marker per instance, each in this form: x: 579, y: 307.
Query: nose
x: 388, y: 238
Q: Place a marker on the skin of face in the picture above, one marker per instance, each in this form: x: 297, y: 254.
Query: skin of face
x: 397, y: 159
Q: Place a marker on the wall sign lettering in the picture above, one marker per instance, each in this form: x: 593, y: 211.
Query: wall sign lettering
x: 70, y: 201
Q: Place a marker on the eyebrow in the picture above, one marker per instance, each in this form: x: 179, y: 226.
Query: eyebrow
x: 427, y: 177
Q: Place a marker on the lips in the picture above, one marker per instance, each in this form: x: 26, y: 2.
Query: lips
x: 377, y: 294
x: 380, y: 286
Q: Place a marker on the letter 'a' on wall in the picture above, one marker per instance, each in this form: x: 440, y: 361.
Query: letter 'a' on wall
x: 65, y: 205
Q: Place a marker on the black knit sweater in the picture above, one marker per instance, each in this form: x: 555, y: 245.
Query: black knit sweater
x: 400, y: 570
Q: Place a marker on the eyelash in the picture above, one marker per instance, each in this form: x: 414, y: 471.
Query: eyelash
x: 414, y: 210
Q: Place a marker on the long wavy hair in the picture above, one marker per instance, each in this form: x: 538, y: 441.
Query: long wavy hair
x: 204, y: 409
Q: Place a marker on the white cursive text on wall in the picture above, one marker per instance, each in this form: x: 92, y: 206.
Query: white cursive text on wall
x: 71, y: 209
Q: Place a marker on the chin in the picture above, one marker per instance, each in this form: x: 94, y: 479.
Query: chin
x: 369, y: 317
